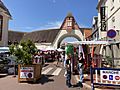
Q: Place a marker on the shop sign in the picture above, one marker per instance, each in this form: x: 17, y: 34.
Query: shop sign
x: 26, y: 72
x: 102, y: 16
x: 110, y: 75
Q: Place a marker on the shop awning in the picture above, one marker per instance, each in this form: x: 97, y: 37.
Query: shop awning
x: 4, y: 49
x: 89, y: 42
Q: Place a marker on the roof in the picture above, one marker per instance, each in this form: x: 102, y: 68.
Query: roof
x: 42, y: 36
x: 87, y: 32
x: 4, y: 8
x: 15, y: 36
x: 74, y: 25
x: 99, y: 3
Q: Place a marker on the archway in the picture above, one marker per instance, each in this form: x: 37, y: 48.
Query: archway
x: 66, y: 36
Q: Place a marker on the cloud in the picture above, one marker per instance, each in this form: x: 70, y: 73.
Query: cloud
x: 45, y: 26
x: 50, y: 25
x: 22, y: 29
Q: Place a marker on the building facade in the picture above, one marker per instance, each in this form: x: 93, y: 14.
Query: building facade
x: 108, y: 19
x: 5, y: 16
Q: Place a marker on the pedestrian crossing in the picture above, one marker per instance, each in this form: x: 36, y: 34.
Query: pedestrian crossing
x: 47, y: 70
x: 57, y: 71
x: 51, y: 71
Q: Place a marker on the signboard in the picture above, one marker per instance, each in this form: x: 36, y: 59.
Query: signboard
x: 111, y: 33
x: 102, y: 16
x: 26, y: 72
x: 110, y: 75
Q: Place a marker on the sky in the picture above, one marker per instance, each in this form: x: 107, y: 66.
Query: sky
x: 31, y: 15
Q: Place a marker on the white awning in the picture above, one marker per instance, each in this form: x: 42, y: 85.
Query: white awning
x: 89, y: 42
x: 50, y: 48
x: 4, y: 49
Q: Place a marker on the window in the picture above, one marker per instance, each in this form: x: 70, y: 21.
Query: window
x: 1, y: 24
x: 113, y: 22
x: 113, y: 19
x: 69, y: 21
x: 112, y: 5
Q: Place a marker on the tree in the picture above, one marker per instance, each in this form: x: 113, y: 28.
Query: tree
x: 24, y: 52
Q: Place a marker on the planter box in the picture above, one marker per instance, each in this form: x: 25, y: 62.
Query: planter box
x: 29, y: 72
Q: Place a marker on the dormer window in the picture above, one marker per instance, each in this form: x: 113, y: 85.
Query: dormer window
x: 69, y: 22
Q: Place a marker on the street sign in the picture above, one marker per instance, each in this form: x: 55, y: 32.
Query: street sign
x: 111, y: 33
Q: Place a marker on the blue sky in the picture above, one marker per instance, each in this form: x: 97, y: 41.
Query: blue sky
x: 31, y: 15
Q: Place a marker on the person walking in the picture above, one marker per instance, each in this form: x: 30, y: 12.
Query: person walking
x: 68, y: 70
x: 80, y: 69
x: 57, y: 57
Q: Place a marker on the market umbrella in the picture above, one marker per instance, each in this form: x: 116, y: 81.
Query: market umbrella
x: 50, y: 48
x: 60, y: 50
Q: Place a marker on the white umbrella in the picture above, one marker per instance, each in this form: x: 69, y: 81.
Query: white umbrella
x: 60, y: 50
x: 4, y: 49
x: 50, y: 48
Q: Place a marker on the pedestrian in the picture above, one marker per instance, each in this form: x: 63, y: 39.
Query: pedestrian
x: 65, y: 58
x: 68, y: 70
x: 57, y: 57
x: 80, y: 69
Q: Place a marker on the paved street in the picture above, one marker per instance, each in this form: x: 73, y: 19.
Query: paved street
x: 52, y: 79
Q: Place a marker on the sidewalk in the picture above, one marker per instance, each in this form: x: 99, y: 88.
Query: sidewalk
x: 87, y: 84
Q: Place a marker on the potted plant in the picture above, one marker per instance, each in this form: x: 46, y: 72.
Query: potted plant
x: 24, y: 53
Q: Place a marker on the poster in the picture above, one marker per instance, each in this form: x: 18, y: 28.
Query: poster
x: 110, y: 75
x: 26, y: 72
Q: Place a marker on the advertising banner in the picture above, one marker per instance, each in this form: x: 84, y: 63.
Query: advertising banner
x: 110, y: 75
x: 26, y: 72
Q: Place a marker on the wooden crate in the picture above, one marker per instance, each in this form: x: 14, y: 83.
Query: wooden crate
x: 25, y: 71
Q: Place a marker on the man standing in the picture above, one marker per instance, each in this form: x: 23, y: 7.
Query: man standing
x: 80, y: 69
x: 68, y: 70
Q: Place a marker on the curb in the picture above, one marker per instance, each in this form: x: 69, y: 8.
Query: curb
x: 84, y: 84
